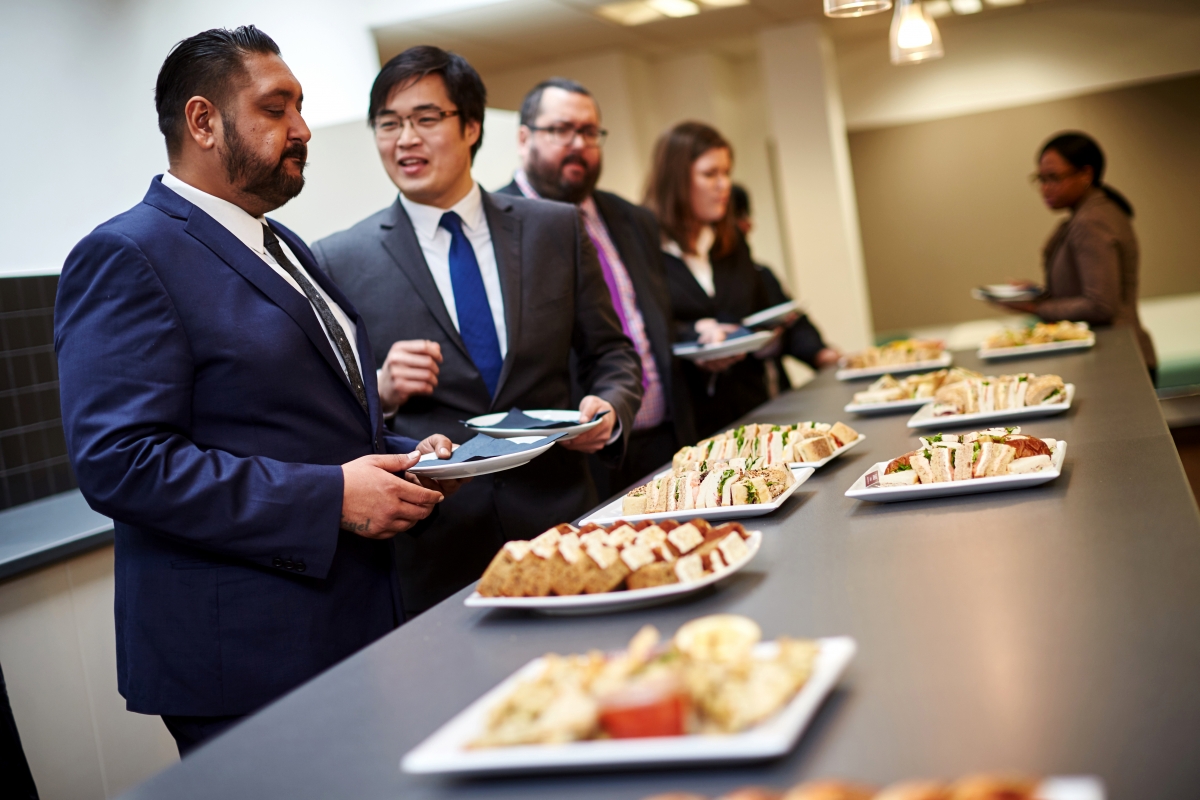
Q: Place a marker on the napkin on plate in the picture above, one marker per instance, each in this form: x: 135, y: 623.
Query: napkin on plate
x: 483, y: 446
x: 516, y: 419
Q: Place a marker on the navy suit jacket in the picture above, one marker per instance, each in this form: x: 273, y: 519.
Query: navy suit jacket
x: 207, y: 414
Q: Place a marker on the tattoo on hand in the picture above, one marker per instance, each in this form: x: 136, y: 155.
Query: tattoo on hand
x: 356, y: 527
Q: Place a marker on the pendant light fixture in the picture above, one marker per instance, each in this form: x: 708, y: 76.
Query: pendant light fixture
x: 855, y: 8
x: 915, y: 37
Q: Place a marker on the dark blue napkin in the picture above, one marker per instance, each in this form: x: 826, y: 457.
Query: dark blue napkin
x: 483, y: 446
x: 516, y: 419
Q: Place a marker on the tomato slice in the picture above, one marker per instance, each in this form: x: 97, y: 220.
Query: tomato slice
x: 663, y: 716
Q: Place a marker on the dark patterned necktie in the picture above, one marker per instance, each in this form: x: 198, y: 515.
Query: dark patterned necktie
x: 335, y: 330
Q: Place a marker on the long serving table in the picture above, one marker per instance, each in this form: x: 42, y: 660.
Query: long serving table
x: 1050, y: 631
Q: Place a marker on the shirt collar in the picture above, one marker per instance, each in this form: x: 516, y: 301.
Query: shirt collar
x: 426, y: 219
x: 246, y: 228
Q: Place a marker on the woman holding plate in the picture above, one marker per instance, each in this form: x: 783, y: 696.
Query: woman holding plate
x: 1091, y: 260
x: 710, y: 273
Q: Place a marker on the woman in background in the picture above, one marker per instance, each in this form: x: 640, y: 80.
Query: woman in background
x: 1091, y: 261
x: 711, y: 276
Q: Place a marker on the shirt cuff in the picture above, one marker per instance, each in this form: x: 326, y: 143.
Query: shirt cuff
x: 616, y: 434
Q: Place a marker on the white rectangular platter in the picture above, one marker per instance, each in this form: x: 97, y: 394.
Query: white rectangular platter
x: 925, y: 491
x: 446, y: 751
x: 612, y: 512
x: 615, y: 601
x: 1036, y: 349
x: 846, y: 374
x: 886, y: 408
x: 925, y: 418
x: 818, y: 464
x: 1002, y: 292
x: 771, y: 315
x: 730, y: 347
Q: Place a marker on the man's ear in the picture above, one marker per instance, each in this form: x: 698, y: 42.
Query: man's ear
x: 202, y: 121
x: 472, y: 131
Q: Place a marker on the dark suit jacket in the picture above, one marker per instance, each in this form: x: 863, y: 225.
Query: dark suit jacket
x: 556, y: 304
x: 634, y: 231
x: 206, y: 413
x: 801, y: 339
x: 740, y: 291
x: 1091, y: 265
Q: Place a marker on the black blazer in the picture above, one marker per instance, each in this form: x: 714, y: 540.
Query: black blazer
x: 739, y: 292
x: 801, y: 339
x: 556, y: 306
x: 634, y: 232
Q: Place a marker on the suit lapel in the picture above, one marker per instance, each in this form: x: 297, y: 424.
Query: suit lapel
x: 400, y: 241
x: 505, y: 230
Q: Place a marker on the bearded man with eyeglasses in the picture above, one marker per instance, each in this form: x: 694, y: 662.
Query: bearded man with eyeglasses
x: 561, y: 146
x: 480, y: 303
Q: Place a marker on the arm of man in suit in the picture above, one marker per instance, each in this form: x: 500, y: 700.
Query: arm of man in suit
x: 126, y: 380
x: 609, y: 367
x: 1095, y: 249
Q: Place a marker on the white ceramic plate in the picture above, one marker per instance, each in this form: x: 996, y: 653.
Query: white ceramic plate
x: 925, y: 418
x: 612, y: 512
x: 614, y: 601
x: 924, y: 491
x: 886, y: 408
x: 818, y: 464
x: 429, y: 467
x: 845, y: 374
x: 1035, y: 349
x: 1072, y: 787
x: 729, y: 347
x: 772, y: 315
x: 482, y: 424
x: 446, y: 751
x: 1004, y: 291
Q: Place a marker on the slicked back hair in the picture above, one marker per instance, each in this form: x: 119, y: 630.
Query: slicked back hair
x: 208, y: 65
x: 531, y: 106
x: 463, y: 84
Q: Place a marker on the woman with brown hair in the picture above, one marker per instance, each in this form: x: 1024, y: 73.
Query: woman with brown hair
x: 711, y: 276
x: 1091, y: 260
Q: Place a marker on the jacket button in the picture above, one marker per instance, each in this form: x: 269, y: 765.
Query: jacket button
x: 300, y: 566
x: 277, y: 562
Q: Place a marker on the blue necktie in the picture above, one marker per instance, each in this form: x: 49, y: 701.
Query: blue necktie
x: 475, y: 322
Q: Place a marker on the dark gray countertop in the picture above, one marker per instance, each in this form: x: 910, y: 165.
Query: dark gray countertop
x: 47, y: 530
x: 1053, y: 630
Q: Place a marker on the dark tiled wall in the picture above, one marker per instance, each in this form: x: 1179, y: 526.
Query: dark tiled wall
x: 33, y: 452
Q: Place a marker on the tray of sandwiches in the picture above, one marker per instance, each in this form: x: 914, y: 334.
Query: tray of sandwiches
x: 715, y: 692
x: 972, y: 787
x: 889, y: 393
x: 569, y: 570
x: 1044, y: 337
x: 991, y: 399
x: 804, y: 444
x: 946, y: 464
x: 900, y: 356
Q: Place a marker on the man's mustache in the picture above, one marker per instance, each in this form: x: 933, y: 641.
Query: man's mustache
x: 297, y: 151
x: 573, y: 158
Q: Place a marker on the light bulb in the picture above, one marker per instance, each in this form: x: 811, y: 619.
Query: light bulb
x: 915, y: 37
x: 855, y: 8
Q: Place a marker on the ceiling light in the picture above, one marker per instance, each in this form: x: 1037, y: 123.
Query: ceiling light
x: 938, y: 8
x: 674, y: 8
x: 636, y: 12
x: 914, y: 37
x: 725, y: 3
x: 1005, y: 2
x: 855, y: 8
x: 967, y: 6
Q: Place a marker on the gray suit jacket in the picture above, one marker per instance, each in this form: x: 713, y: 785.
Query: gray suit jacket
x: 557, y: 306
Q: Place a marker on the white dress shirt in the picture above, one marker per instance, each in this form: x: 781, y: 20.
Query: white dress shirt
x: 698, y: 263
x: 249, y: 231
x: 435, y: 244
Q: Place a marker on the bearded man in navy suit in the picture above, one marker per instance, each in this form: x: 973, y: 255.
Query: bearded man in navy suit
x: 220, y: 405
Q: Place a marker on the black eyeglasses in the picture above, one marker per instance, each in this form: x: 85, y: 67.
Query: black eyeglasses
x: 565, y: 134
x: 423, y: 120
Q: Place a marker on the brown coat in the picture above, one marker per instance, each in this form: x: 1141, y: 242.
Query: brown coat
x: 1091, y: 265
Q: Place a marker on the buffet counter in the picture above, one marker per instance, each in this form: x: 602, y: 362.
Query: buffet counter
x: 1049, y: 631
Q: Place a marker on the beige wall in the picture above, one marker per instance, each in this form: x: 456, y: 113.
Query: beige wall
x: 58, y: 649
x: 946, y: 204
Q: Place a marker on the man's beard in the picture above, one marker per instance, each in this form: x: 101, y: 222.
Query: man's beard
x: 249, y: 173
x: 547, y: 179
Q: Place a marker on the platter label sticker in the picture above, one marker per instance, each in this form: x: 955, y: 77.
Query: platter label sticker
x: 872, y: 479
